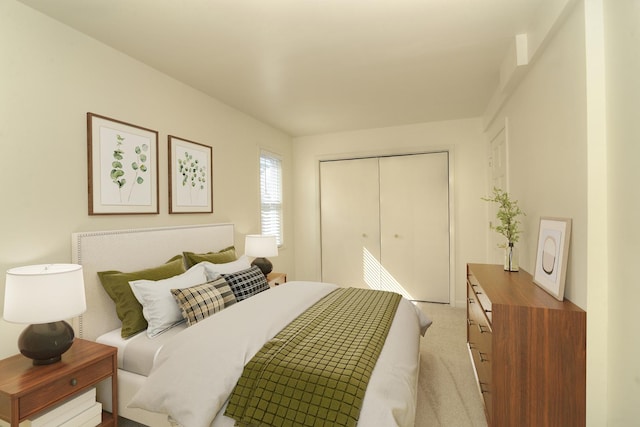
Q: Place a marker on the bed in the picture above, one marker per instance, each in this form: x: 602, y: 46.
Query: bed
x: 148, y: 384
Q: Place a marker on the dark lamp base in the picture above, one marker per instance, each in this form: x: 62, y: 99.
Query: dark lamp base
x: 263, y: 264
x: 46, y: 342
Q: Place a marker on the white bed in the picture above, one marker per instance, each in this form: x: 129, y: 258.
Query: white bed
x: 131, y: 250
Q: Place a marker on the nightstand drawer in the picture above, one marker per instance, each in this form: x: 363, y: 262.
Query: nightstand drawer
x: 275, y: 279
x: 59, y: 389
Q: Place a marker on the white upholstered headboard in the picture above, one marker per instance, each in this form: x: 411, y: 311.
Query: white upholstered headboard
x: 132, y: 250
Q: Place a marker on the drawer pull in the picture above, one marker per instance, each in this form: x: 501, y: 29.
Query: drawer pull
x: 484, y: 388
x: 470, y: 322
x: 482, y: 358
x: 471, y: 300
x: 73, y: 382
x: 482, y: 328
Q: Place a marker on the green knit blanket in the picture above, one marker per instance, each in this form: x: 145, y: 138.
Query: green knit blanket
x: 316, y: 370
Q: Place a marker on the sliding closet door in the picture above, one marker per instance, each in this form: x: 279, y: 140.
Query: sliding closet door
x: 349, y: 199
x: 414, y: 225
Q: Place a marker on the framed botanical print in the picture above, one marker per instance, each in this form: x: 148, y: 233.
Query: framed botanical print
x: 122, y: 167
x: 190, y: 175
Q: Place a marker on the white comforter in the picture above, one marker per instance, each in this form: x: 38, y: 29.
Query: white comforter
x: 196, y: 371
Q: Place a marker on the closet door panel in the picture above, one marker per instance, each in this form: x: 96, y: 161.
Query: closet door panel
x: 349, y: 200
x: 414, y: 226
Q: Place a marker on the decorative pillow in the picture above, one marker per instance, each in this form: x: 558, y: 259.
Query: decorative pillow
x: 247, y: 283
x: 158, y: 305
x: 199, y: 302
x: 129, y: 310
x: 215, y: 270
x: 220, y: 257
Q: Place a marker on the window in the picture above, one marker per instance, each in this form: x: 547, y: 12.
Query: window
x: 271, y: 195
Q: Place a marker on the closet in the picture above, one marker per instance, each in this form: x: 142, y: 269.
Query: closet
x: 385, y: 224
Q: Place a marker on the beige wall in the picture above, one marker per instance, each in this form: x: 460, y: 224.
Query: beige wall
x: 464, y: 140
x: 622, y: 43
x: 546, y: 137
x: 50, y: 77
x: 579, y: 102
x: 551, y: 147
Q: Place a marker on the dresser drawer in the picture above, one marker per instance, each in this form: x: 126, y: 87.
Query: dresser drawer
x: 65, y: 386
x: 482, y: 367
x: 480, y: 336
x: 476, y: 307
x: 480, y: 295
x: 482, y: 363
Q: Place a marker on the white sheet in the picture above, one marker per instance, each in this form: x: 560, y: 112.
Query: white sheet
x: 137, y: 354
x: 196, y: 371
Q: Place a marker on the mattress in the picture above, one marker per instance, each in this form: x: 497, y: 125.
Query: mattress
x: 137, y: 354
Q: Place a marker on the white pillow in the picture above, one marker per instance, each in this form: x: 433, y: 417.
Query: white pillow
x: 215, y: 270
x: 159, y: 308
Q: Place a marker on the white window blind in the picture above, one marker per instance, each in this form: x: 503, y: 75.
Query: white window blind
x: 271, y: 195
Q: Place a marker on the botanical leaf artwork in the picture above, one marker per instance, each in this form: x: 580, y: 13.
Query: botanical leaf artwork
x: 117, y: 174
x: 126, y: 161
x: 194, y: 176
x: 190, y: 172
x: 138, y: 166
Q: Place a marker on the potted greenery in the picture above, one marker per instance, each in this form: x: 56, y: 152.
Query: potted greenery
x: 509, y: 227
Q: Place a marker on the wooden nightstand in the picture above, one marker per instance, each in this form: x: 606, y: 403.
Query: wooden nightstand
x: 276, y: 279
x: 26, y: 390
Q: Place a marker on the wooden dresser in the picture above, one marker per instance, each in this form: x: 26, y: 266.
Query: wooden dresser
x: 527, y: 348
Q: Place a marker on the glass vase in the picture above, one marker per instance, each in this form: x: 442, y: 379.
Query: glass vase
x: 511, y: 258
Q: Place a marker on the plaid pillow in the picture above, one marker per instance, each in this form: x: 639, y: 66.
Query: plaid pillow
x: 199, y: 302
x: 246, y: 283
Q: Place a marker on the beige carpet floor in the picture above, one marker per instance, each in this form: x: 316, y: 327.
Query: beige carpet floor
x: 447, y: 392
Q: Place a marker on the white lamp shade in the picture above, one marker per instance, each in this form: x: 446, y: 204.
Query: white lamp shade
x: 44, y: 293
x: 260, y: 246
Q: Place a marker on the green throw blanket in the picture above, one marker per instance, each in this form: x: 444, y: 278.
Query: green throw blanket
x: 316, y: 370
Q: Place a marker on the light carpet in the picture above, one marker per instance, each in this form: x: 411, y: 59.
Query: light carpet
x: 447, y: 393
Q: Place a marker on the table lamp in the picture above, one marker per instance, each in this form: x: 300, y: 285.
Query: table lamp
x: 43, y: 296
x: 260, y: 247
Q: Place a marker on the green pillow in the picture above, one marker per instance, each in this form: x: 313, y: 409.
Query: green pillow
x: 221, y: 257
x: 129, y: 310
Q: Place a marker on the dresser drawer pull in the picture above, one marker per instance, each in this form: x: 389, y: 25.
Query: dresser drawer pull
x: 471, y: 300
x: 482, y: 328
x: 482, y: 358
x: 470, y: 322
x: 73, y: 382
x: 484, y: 387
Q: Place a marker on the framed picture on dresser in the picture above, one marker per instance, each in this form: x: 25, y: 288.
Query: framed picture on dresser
x: 552, y: 255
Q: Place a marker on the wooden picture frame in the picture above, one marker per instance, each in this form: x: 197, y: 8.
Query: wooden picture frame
x: 122, y: 167
x: 552, y: 255
x: 190, y: 176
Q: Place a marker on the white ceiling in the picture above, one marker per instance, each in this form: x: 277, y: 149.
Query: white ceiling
x: 317, y: 66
